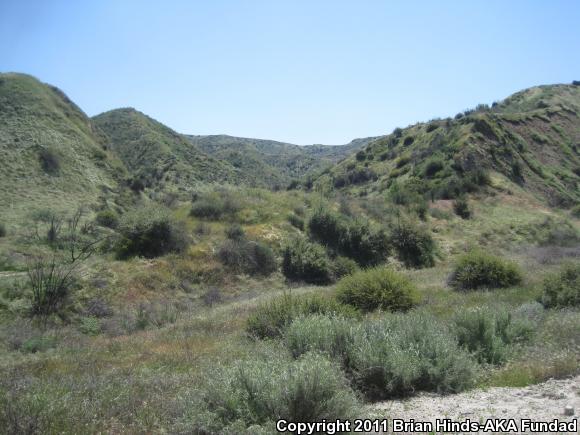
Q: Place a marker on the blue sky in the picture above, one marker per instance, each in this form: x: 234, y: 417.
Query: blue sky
x: 297, y: 71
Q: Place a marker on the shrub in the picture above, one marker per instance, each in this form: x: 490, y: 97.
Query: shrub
x: 478, y: 269
x: 3, y: 231
x: 51, y: 284
x: 415, y: 247
x: 215, y: 205
x: 325, y: 227
x: 306, y: 261
x: 433, y: 166
x: 235, y: 232
x: 576, y: 211
x: 149, y: 232
x: 261, y: 390
x: 461, y: 208
x: 354, y: 239
x: 38, y: 344
x: 107, y: 218
x: 488, y: 333
x: 377, y: 288
x: 387, y: 357
x: 296, y: 221
x: 246, y: 256
x: 272, y: 318
x: 402, y: 354
x: 562, y: 289
x: 330, y: 334
x: 342, y: 266
x: 49, y: 161
x: 90, y: 325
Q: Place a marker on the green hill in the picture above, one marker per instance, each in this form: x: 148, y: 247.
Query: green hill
x: 50, y: 153
x: 531, y: 139
x: 158, y: 157
x: 273, y: 162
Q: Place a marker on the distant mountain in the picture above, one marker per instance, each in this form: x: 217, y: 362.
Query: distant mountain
x: 50, y: 154
x: 531, y: 139
x: 271, y: 161
x: 158, y: 157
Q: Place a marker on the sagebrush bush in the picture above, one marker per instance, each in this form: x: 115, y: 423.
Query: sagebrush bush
x: 402, y: 354
x: 477, y: 269
x: 490, y: 332
x: 272, y: 318
x: 107, y: 218
x: 215, y: 205
x: 330, y: 334
x: 433, y: 166
x: 261, y: 390
x: 562, y: 289
x: 306, y: 261
x: 246, y: 256
x: 414, y: 245
x: 389, y: 357
x: 377, y: 288
x: 149, y: 231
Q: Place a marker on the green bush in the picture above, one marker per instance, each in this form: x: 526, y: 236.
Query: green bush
x: 38, y: 344
x: 149, y: 232
x: 3, y: 231
x: 461, y: 208
x: 235, y: 232
x: 306, y: 261
x: 246, y: 256
x: 49, y: 161
x: 261, y: 390
x: 90, y: 325
x: 342, y: 266
x: 353, y: 239
x: 272, y: 318
x: 215, y: 205
x: 415, y: 247
x: 477, y: 269
x: 576, y: 211
x: 107, y: 218
x: 433, y: 166
x: 489, y: 333
x: 377, y: 288
x: 563, y: 288
x: 296, y: 221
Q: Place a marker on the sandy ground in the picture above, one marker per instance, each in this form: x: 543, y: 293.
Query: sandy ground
x: 542, y: 402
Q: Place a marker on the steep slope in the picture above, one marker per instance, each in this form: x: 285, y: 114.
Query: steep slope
x: 274, y: 162
x: 50, y: 154
x: 158, y: 157
x: 531, y: 139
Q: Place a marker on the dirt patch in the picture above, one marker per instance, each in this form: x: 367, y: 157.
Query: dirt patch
x: 542, y: 402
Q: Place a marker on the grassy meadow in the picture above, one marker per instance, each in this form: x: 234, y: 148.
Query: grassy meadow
x: 149, y: 341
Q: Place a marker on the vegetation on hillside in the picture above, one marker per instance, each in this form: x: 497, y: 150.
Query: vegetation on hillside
x: 179, y: 306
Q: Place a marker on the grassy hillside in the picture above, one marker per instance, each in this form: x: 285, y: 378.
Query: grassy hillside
x: 531, y: 139
x: 274, y: 162
x: 224, y: 310
x: 159, y: 158
x: 50, y: 153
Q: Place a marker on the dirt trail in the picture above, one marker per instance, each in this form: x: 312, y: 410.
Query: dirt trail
x: 542, y: 402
